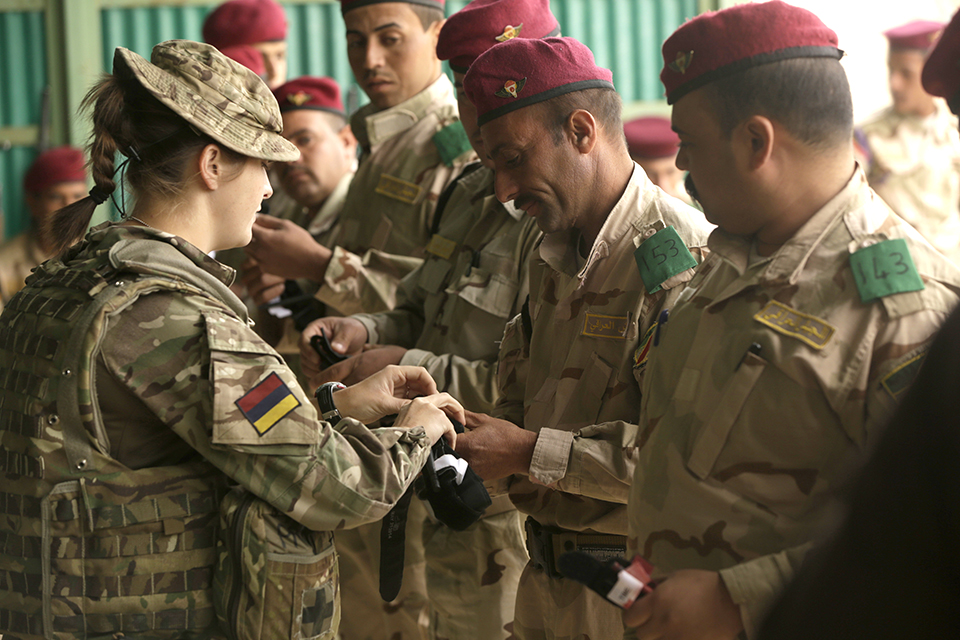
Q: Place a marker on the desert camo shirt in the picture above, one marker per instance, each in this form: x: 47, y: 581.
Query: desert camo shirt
x: 769, y: 373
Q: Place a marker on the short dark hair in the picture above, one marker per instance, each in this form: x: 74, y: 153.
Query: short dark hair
x: 810, y: 97
x: 604, y: 104
x: 427, y: 15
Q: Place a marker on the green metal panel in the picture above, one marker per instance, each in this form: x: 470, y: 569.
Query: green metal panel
x: 23, y: 75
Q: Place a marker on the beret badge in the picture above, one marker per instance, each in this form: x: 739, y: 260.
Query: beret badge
x: 509, y: 32
x: 511, y: 88
x: 682, y: 62
x: 298, y: 99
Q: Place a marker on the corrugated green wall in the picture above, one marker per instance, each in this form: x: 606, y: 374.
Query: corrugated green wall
x: 625, y: 35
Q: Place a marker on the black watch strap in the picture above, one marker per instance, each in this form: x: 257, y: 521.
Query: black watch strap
x: 324, y: 395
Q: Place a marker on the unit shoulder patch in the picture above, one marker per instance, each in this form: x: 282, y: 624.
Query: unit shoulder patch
x: 804, y: 327
x: 900, y: 379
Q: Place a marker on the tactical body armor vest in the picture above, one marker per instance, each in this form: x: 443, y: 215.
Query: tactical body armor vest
x: 88, y: 547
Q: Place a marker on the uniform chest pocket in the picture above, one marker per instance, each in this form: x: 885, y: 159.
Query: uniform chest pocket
x: 433, y: 274
x: 488, y: 291
x: 716, y: 431
x: 572, y: 401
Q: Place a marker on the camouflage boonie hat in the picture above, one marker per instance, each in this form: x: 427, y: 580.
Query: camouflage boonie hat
x: 217, y: 95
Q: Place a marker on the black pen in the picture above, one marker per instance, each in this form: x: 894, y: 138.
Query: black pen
x: 754, y: 348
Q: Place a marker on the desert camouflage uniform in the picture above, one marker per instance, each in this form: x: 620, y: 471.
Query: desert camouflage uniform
x: 324, y: 228
x: 574, y: 378
x: 769, y: 374
x: 410, y: 153
x: 168, y: 360
x: 18, y: 257
x: 914, y: 165
x: 452, y: 310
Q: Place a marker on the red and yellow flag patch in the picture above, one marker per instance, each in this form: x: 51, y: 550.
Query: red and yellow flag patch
x: 642, y: 354
x: 267, y: 403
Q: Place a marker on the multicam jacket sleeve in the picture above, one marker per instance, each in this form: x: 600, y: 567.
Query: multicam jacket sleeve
x: 214, y: 382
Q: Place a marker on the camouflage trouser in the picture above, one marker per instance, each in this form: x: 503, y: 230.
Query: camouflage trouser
x: 364, y: 614
x: 560, y: 609
x: 472, y: 577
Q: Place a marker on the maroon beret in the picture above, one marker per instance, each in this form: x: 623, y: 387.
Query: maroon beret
x: 308, y: 92
x: 61, y: 164
x: 483, y: 23
x: 245, y: 22
x: 521, y: 72
x: 248, y: 56
x: 941, y: 72
x: 721, y: 43
x: 918, y: 34
x: 651, y: 137
x: 347, y: 5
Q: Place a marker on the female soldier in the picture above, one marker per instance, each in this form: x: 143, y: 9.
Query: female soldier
x: 134, y: 392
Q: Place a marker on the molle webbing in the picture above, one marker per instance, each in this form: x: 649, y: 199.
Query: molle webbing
x: 91, y: 548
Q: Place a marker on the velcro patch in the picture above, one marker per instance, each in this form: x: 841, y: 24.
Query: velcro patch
x: 452, y: 142
x: 398, y: 189
x: 790, y: 322
x: 642, y: 354
x: 598, y: 326
x: 662, y: 256
x: 900, y: 379
x: 267, y: 403
x: 883, y: 269
x: 440, y: 246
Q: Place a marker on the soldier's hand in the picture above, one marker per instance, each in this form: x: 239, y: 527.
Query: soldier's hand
x: 385, y: 393
x: 495, y: 448
x: 690, y: 604
x: 288, y: 250
x: 433, y: 413
x: 262, y: 286
x: 361, y: 366
x: 346, y: 335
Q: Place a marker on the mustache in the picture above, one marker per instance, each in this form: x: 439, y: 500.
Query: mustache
x: 691, y: 188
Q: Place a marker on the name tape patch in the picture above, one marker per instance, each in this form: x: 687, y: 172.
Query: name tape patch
x: 267, y: 403
x: 662, y: 256
x: 599, y: 326
x: 440, y: 246
x: 790, y: 322
x: 398, y: 189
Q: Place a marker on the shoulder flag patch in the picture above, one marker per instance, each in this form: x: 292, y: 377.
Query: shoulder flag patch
x: 900, y: 379
x: 267, y: 403
x: 642, y: 354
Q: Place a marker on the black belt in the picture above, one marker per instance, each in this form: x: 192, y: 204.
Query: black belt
x: 546, y: 543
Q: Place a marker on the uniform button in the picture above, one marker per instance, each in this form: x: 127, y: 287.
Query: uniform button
x: 67, y: 373
x: 81, y: 465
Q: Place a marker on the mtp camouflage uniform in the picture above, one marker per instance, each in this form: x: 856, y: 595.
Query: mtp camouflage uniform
x: 914, y: 165
x: 770, y: 372
x: 134, y: 392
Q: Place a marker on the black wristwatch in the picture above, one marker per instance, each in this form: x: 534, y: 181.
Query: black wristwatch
x: 324, y: 396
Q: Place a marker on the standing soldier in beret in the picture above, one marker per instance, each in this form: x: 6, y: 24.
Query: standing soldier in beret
x: 449, y: 319
x: 653, y: 145
x: 795, y: 339
x: 262, y: 24
x: 911, y: 149
x: 614, y: 251
x: 289, y: 247
x: 56, y: 179
x: 889, y: 569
